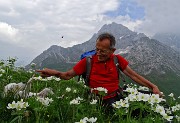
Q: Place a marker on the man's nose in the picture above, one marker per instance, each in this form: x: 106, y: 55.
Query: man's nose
x: 98, y: 53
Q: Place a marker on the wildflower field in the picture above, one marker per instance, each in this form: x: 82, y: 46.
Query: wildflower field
x: 68, y: 101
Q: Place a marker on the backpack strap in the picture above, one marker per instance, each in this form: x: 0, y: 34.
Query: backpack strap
x: 89, y: 64
x: 120, y: 75
x: 88, y: 69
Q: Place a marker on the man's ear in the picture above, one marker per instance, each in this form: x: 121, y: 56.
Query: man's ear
x: 113, y: 50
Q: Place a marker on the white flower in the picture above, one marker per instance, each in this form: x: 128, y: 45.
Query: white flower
x: 44, y: 80
x: 29, y: 71
x: 26, y: 104
x: 116, y: 105
x: 169, y: 118
x: 85, y: 86
x: 57, y: 79
x: 37, y: 78
x: 82, y: 120
x: 85, y: 120
x: 101, y: 89
x: 121, y: 103
x: 81, y: 81
x: 178, y: 118
x: 53, y: 78
x: 78, y: 98
x: 32, y: 94
x: 93, y: 102
x: 131, y: 90
x: 50, y: 78
x: 175, y: 108
x: 154, y: 98
x: 75, y: 102
x: 18, y: 106
x: 168, y: 111
x: 178, y: 106
x: 92, y: 119
x: 11, y: 105
x: 131, y: 97
x: 143, y: 88
x: 9, y: 77
x: 68, y: 89
x: 45, y: 101
x: 160, y: 109
x: 33, y: 64
x: 171, y: 95
x: 143, y: 97
x: 74, y: 91
x: 2, y: 71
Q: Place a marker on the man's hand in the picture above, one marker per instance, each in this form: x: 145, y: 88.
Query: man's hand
x: 48, y: 72
x: 156, y: 90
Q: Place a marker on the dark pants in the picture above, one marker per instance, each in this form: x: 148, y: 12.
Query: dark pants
x: 107, y: 103
x: 111, y: 100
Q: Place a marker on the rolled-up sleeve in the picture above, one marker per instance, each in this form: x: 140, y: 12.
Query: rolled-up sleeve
x: 123, y: 63
x: 80, y: 67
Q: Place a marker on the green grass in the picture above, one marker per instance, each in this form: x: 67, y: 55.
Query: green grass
x: 61, y: 111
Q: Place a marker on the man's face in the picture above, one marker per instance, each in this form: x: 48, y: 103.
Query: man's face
x: 103, y: 50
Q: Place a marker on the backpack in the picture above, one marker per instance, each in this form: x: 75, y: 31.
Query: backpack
x: 88, y: 55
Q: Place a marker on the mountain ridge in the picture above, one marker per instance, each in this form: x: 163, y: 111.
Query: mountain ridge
x: 170, y: 39
x: 139, y: 45
x: 149, y: 57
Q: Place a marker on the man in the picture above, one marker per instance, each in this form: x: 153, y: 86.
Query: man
x: 103, y: 70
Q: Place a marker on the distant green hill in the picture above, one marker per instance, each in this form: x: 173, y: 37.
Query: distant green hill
x: 167, y: 83
x: 60, y: 66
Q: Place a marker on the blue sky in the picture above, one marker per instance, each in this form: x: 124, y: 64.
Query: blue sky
x: 28, y: 27
x: 128, y: 7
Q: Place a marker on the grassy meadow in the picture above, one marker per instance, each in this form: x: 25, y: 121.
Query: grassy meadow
x: 67, y: 101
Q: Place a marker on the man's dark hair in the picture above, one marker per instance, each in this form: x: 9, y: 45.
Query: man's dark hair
x: 107, y: 36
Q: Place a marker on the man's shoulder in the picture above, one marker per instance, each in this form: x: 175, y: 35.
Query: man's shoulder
x: 119, y: 56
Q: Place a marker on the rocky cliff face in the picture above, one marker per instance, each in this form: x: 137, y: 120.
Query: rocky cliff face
x: 148, y: 55
x: 172, y: 40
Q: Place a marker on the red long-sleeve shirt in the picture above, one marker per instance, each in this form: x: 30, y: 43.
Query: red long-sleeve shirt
x: 103, y: 74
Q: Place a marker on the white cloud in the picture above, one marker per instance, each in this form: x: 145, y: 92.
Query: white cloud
x: 160, y: 16
x: 8, y: 33
x: 48, y: 20
x: 7, y: 29
x: 38, y: 24
x: 128, y: 22
x: 35, y: 25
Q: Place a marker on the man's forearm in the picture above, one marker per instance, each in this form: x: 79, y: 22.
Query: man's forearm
x: 63, y: 75
x: 138, y: 78
x: 66, y: 75
x: 142, y: 81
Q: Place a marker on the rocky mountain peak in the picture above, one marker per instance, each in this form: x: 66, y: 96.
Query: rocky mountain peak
x: 145, y: 54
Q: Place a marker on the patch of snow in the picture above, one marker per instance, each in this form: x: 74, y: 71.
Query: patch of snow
x: 123, y: 51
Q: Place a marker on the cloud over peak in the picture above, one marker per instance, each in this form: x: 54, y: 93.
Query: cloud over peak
x: 8, y: 32
x: 39, y: 24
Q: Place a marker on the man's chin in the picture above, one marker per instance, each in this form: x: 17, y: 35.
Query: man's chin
x: 101, y: 59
